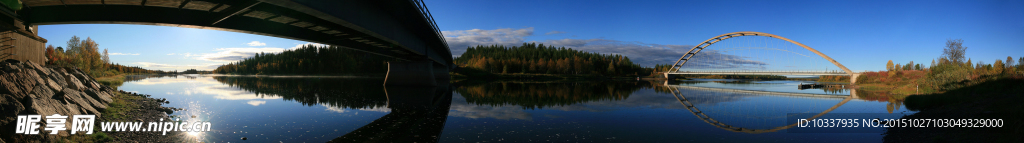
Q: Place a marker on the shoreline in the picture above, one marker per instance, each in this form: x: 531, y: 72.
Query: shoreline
x: 31, y: 89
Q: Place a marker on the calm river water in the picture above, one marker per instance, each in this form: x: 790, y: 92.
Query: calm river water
x: 352, y: 109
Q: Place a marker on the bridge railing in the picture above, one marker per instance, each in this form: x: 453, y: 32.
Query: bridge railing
x: 752, y: 71
x: 430, y: 19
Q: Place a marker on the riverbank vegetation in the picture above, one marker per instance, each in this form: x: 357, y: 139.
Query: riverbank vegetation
x: 85, y: 55
x: 951, y: 71
x: 113, y: 81
x: 956, y: 88
x: 531, y: 59
x: 309, y: 60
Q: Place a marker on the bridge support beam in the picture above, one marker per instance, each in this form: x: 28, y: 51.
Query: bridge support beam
x: 416, y: 73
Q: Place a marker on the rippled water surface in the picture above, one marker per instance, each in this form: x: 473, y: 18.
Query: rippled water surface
x: 321, y: 109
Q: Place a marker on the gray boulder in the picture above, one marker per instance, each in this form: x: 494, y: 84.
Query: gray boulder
x: 53, y: 85
x: 16, y: 84
x: 103, y: 97
x: 87, y: 104
x: 73, y: 82
x: 46, y: 106
x: 11, y: 68
x: 39, y: 69
x: 10, y: 107
x: 58, y: 78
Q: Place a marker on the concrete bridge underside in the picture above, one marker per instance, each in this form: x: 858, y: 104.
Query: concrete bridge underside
x: 402, y: 29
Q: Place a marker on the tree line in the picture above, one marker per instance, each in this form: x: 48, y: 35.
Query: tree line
x: 952, y: 70
x: 309, y: 59
x: 85, y: 55
x: 540, y: 59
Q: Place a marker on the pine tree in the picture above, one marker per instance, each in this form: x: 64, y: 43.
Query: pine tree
x: 611, y: 68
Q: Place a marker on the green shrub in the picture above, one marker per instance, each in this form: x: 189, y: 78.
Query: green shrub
x: 102, y: 137
x: 948, y: 76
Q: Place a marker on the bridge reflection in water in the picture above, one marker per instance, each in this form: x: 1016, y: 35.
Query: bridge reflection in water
x: 679, y: 95
x: 414, y: 117
x: 421, y: 114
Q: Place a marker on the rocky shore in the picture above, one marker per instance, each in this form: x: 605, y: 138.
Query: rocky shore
x: 27, y: 88
x: 144, y: 110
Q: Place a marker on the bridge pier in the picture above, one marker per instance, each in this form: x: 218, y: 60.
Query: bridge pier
x: 670, y: 76
x: 441, y: 75
x: 853, y: 78
x: 416, y: 73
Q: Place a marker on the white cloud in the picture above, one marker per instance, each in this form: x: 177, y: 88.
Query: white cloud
x: 233, y: 54
x: 256, y: 43
x: 256, y: 103
x: 459, y: 40
x: 124, y: 54
x: 554, y: 32
x: 170, y: 54
x: 300, y: 45
x: 461, y: 108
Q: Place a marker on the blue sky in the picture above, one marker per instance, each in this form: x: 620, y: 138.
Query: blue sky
x: 862, y: 35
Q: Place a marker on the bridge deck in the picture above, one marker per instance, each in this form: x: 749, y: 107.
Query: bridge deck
x: 762, y: 92
x: 762, y: 73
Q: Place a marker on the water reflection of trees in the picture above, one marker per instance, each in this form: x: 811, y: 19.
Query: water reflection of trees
x: 895, y: 101
x: 834, y: 90
x: 336, y: 92
x: 533, y: 95
x: 131, y: 78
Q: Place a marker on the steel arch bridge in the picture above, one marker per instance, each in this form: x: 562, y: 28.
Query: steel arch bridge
x: 674, y: 70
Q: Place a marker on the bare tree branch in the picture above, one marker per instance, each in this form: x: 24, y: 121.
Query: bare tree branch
x: 955, y: 50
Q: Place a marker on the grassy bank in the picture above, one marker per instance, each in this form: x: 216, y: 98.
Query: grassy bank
x: 117, y: 111
x: 900, y: 83
x: 112, y: 81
